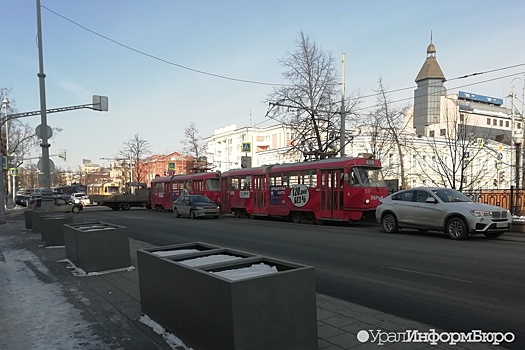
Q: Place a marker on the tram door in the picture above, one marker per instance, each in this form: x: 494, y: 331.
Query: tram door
x: 332, y: 194
x: 225, y: 195
x: 260, y: 189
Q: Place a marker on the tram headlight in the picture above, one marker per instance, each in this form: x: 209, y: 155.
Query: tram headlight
x: 367, y: 201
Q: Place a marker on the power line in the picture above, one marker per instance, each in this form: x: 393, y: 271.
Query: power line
x: 253, y: 81
x: 161, y: 59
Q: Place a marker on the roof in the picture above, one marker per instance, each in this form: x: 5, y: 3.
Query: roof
x: 431, y: 68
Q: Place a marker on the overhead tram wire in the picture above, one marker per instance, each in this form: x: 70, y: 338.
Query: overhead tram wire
x: 161, y: 59
x: 280, y: 84
x: 453, y: 88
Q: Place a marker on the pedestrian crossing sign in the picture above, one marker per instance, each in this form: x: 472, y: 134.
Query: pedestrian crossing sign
x: 246, y: 147
x: 171, y: 166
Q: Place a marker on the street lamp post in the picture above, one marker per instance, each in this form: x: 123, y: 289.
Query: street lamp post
x: 518, y: 139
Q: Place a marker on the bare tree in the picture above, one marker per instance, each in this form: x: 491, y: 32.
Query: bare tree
x: 308, y: 105
x: 449, y: 162
x: 194, y: 147
x: 387, y: 125
x: 136, y: 151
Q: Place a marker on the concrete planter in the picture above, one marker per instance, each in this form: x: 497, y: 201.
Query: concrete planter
x: 518, y: 226
x: 97, y: 246
x: 52, y: 228
x: 28, y: 219
x: 37, y: 216
x: 209, y: 311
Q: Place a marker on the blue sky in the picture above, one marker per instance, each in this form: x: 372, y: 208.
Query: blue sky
x: 237, y: 39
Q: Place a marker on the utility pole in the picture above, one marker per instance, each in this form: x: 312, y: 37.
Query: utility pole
x: 47, y: 194
x: 343, y: 112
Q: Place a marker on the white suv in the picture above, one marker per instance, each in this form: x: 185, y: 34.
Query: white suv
x: 441, y: 209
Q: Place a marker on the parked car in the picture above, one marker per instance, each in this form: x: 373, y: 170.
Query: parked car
x: 81, y: 198
x: 61, y: 205
x: 195, y: 206
x: 441, y: 209
x: 22, y: 199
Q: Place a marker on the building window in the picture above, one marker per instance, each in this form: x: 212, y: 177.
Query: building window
x: 431, y: 133
x: 518, y: 125
x: 461, y: 117
x: 507, y: 123
x: 501, y: 123
x: 488, y: 121
x: 494, y: 122
x: 443, y: 132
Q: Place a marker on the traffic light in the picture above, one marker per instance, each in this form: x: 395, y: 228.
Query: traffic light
x: 501, y: 176
x: 495, y: 183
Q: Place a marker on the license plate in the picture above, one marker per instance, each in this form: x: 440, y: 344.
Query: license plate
x: 501, y: 224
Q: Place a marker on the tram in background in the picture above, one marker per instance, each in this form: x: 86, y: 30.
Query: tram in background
x: 103, y: 189
x: 164, y: 190
x: 333, y: 189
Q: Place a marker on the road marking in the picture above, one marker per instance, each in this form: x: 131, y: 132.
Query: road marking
x: 428, y: 274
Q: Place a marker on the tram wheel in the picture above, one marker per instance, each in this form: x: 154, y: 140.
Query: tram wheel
x: 318, y: 221
x: 296, y: 217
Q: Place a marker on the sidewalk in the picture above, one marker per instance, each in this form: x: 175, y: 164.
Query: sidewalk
x: 44, y: 305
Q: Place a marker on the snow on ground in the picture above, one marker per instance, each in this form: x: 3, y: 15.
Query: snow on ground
x: 171, y: 340
x: 33, y: 309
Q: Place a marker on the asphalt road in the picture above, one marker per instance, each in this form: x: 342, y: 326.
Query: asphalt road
x: 452, y: 285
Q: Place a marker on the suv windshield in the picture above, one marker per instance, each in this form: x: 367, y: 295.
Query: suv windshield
x: 450, y: 195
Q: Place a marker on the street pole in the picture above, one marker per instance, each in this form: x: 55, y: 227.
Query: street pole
x: 2, y: 178
x: 343, y: 114
x: 518, y: 139
x: 47, y: 195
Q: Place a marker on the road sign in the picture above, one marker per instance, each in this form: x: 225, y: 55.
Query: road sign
x: 41, y: 132
x: 499, y: 156
x: 246, y: 147
x: 40, y: 167
x: 171, y: 166
x: 480, y: 142
x: 13, y: 171
x: 499, y: 165
x: 4, y: 162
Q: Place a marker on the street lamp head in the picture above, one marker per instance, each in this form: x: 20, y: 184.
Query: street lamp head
x: 517, y: 138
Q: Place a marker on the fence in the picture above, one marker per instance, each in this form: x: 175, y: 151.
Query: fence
x: 505, y: 198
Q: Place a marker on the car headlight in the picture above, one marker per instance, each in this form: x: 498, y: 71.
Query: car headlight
x: 480, y: 213
x: 199, y: 208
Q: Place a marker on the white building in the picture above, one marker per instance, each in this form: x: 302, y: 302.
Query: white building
x: 482, y: 158
x: 267, y: 145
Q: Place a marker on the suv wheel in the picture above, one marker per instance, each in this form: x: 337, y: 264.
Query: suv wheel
x: 389, y: 223
x: 457, y: 228
x: 75, y: 209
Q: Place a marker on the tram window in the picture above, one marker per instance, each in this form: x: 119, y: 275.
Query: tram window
x: 213, y: 184
x: 197, y: 185
x: 275, y: 180
x: 309, y: 178
x: 355, y: 178
x: 233, y: 183
x: 290, y: 179
x: 245, y: 184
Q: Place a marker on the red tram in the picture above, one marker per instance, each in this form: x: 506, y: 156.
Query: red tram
x: 164, y: 190
x: 336, y: 189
